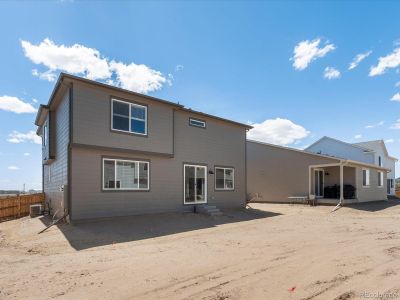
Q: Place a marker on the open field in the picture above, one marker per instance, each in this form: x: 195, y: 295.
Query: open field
x: 271, y: 252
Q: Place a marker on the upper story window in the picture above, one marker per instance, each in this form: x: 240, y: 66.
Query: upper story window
x: 365, y: 177
x: 380, y: 161
x: 44, y: 135
x: 224, y: 178
x: 129, y: 117
x: 197, y: 123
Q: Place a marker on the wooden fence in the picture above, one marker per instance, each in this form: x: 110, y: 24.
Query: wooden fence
x: 18, y: 206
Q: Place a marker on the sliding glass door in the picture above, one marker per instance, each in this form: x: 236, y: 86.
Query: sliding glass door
x: 195, y: 184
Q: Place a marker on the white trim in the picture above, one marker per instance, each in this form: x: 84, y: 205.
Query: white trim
x: 205, y: 184
x: 136, y: 162
x: 323, y: 182
x: 130, y: 117
x: 233, y: 179
x: 367, y: 178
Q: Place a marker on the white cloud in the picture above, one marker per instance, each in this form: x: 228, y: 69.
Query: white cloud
x: 359, y: 57
x: 307, y: 51
x: 76, y: 59
x: 90, y: 63
x: 15, y: 105
x: 389, y: 141
x: 396, y: 97
x: 27, y: 154
x: 277, y: 131
x: 138, y: 78
x: 13, y: 168
x: 331, y: 73
x: 391, y: 60
x: 358, y: 136
x: 19, y: 137
x: 179, y: 68
x: 375, y: 125
x: 396, y: 125
x: 34, y: 100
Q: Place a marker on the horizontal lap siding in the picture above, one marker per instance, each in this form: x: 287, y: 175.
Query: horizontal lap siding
x: 276, y: 173
x: 92, y: 121
x: 373, y: 192
x: 59, y: 167
x: 219, y: 144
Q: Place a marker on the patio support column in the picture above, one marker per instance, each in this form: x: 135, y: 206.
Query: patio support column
x: 341, y: 183
x: 309, y: 181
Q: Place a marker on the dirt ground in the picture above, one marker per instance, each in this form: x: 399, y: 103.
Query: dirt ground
x: 273, y: 251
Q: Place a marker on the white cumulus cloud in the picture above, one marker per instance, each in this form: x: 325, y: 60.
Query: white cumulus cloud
x: 277, y: 131
x: 359, y: 57
x: 375, y: 125
x: 15, y: 105
x: 389, y: 61
x: 90, y: 63
x: 307, y: 51
x: 19, y: 137
x: 331, y: 73
x: 358, y: 136
x: 396, y: 97
x: 396, y: 125
x: 138, y: 78
x: 389, y: 141
x: 13, y: 168
x: 76, y: 59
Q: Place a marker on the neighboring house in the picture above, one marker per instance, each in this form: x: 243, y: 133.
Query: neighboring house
x: 275, y: 173
x: 372, y: 152
x: 111, y: 152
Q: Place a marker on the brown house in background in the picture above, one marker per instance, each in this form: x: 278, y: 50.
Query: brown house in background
x: 111, y: 152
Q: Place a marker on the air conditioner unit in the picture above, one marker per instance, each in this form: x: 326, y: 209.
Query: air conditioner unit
x: 35, y: 210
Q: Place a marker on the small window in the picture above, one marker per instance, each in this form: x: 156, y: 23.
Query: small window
x: 129, y: 117
x: 380, y: 179
x: 365, y: 177
x: 197, y: 123
x: 224, y: 178
x: 44, y: 135
x: 380, y: 161
x: 125, y: 174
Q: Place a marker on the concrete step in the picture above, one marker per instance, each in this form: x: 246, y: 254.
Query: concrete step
x: 210, y: 210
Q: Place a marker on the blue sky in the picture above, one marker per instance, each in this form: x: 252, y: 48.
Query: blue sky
x: 236, y: 60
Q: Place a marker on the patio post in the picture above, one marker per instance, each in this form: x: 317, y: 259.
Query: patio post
x: 309, y: 181
x: 341, y: 183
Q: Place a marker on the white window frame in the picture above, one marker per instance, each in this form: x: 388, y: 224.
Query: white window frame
x: 367, y: 178
x: 44, y: 133
x: 136, y: 162
x: 198, y: 121
x: 233, y: 179
x: 130, y: 117
x: 205, y: 184
x: 380, y: 177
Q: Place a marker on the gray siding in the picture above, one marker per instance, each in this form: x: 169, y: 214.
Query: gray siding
x: 220, y: 144
x: 58, y: 167
x: 274, y: 174
x: 92, y: 121
x: 373, y: 192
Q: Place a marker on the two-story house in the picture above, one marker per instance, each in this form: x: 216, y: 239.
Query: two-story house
x: 371, y: 152
x: 112, y: 152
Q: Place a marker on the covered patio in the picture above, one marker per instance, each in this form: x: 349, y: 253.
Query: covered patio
x: 343, y: 182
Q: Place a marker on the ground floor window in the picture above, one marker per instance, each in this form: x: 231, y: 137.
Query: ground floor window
x: 121, y: 174
x: 224, y: 178
x: 365, y: 177
x: 380, y: 179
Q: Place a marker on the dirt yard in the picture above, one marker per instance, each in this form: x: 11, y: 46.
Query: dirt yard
x: 270, y: 252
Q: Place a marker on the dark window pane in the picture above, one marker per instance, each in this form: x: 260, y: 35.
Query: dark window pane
x: 138, y: 112
x: 109, y: 174
x: 121, y: 123
x: 120, y: 108
x: 219, y: 178
x: 138, y: 126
